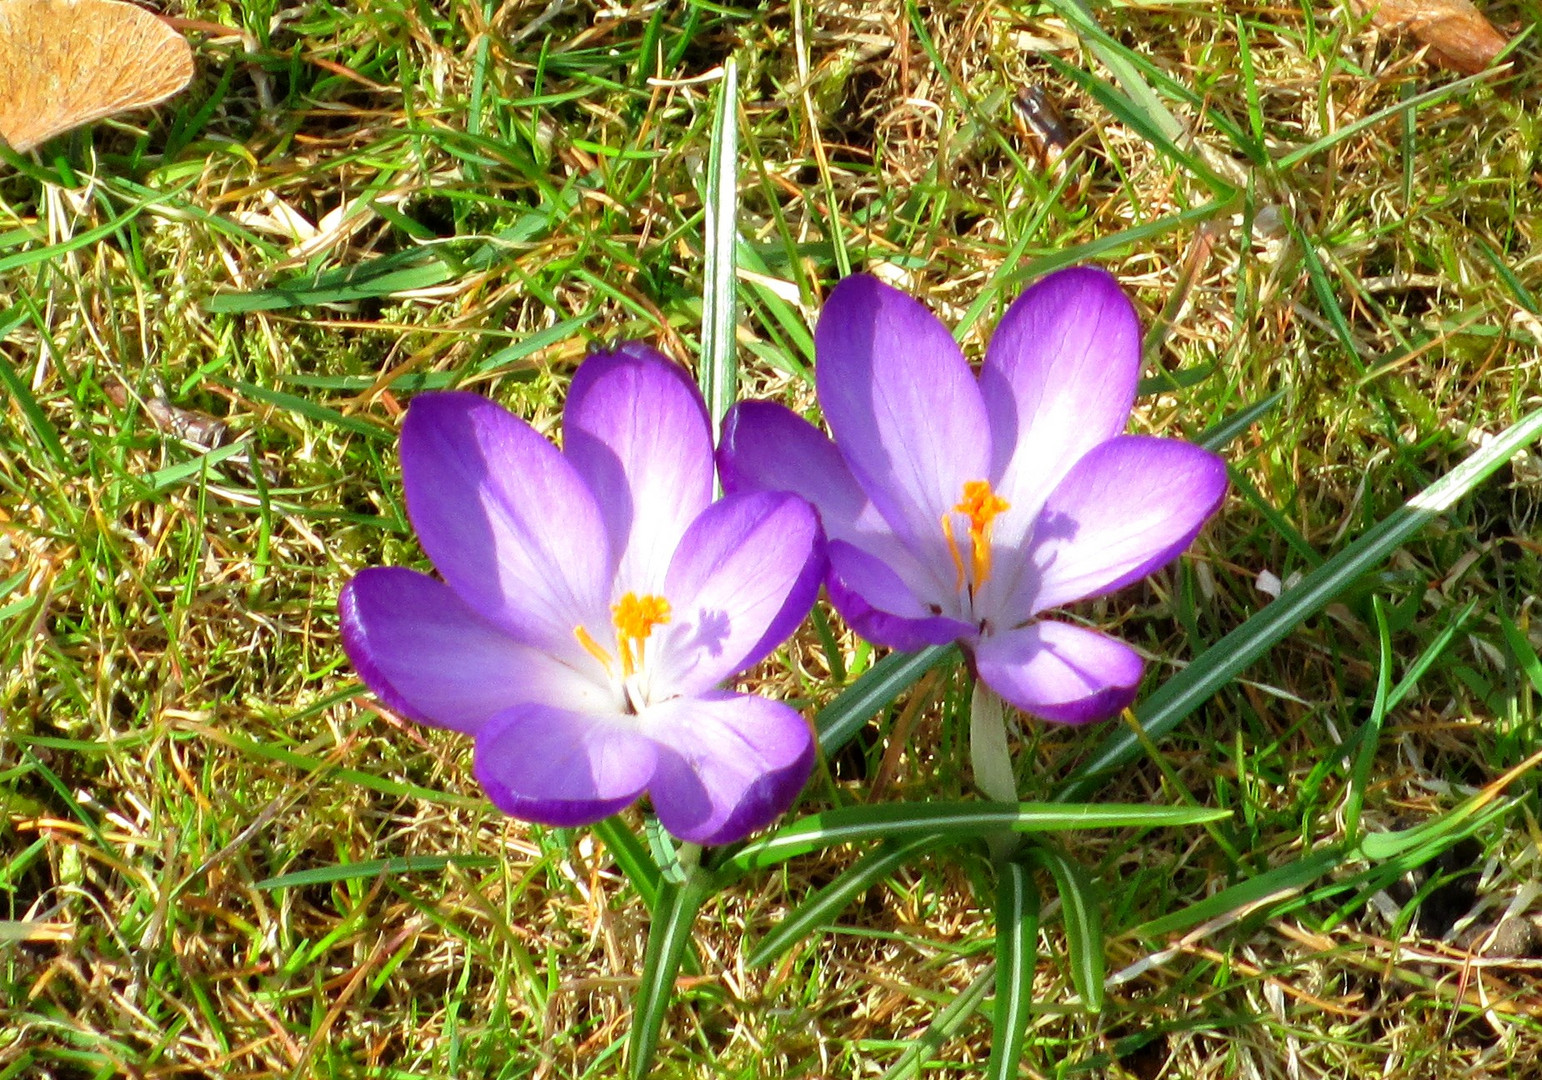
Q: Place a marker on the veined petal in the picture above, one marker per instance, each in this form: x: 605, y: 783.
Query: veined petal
x: 1128, y: 508
x: 728, y: 764
x: 905, y: 410
x: 506, y: 519
x: 880, y: 606
x: 746, y: 574
x: 636, y: 429
x: 1060, y: 672
x: 428, y: 655
x: 1059, y: 378
x: 563, y: 767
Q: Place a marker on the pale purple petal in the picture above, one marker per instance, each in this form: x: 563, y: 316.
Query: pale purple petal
x: 728, y: 764
x: 1060, y: 672
x: 506, y: 519
x: 1128, y: 508
x: 904, y: 408
x: 558, y: 766
x: 430, y: 657
x: 636, y: 429
x: 877, y: 603
x: 746, y: 574
x: 1059, y: 378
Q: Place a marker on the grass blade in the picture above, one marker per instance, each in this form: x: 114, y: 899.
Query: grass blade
x: 1017, y: 950
x: 816, y: 912
x: 1216, y: 667
x: 954, y: 820
x: 946, y: 1024
x: 670, y: 933
x: 1365, y: 757
x: 1290, y: 878
x: 719, y: 315
x: 370, y: 868
x: 1083, y: 919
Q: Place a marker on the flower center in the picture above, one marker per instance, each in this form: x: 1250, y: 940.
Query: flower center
x: 980, y: 505
x: 634, y: 618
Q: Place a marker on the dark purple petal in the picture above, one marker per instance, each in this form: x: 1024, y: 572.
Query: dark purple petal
x: 1060, y: 672
x: 506, y: 519
x: 878, y: 604
x: 746, y: 574
x: 903, y: 406
x: 1059, y: 378
x: 636, y: 429
x: 1128, y: 508
x: 559, y: 766
x: 728, y: 764
x: 429, y: 656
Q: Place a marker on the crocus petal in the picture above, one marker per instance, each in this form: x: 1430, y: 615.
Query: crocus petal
x: 636, y: 429
x: 1128, y: 508
x: 1059, y: 378
x: 904, y: 408
x: 1060, y: 672
x: 768, y: 447
x: 728, y: 764
x: 746, y: 574
x: 559, y: 766
x: 881, y: 606
x: 506, y: 519
x: 431, y: 657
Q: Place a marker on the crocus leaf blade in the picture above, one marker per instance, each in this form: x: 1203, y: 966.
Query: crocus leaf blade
x: 819, y: 909
x: 1218, y: 665
x: 953, y: 821
x: 669, y: 935
x: 839, y: 721
x: 1083, y: 920
x: 944, y: 1026
x: 1017, y: 941
x: 719, y: 370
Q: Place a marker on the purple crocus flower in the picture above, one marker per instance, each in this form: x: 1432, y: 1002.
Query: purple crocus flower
x: 593, y: 600
x: 962, y: 507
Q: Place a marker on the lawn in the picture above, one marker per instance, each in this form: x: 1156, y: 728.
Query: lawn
x: 222, y: 856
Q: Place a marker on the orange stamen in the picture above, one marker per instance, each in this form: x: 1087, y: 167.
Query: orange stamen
x: 635, y: 617
x: 980, y: 505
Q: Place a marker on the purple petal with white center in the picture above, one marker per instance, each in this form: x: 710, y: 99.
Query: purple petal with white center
x: 880, y: 606
x: 429, y: 656
x: 1127, y: 509
x: 506, y: 520
x: 904, y: 408
x: 636, y: 429
x: 744, y: 577
x: 728, y: 764
x: 1060, y: 672
x: 558, y: 766
x: 1059, y: 378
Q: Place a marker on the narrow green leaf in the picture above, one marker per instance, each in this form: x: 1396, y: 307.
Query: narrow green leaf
x: 1017, y: 950
x: 312, y: 411
x: 369, y: 868
x: 37, y: 419
x: 1290, y: 878
x: 820, y: 909
x: 1219, y: 664
x: 1215, y: 438
x: 1082, y: 916
x: 1520, y: 648
x: 1432, y: 652
x: 183, y: 471
x: 943, y: 1027
x: 668, y: 936
x: 1365, y: 757
x: 372, y: 279
x: 954, y: 820
x: 719, y: 372
x: 839, y: 721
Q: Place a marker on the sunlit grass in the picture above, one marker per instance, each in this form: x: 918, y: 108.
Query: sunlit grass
x: 361, y: 200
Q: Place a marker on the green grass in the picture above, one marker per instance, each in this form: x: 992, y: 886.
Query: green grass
x: 221, y: 859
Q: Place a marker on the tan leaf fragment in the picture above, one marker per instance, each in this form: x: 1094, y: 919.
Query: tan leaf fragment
x: 1457, y: 33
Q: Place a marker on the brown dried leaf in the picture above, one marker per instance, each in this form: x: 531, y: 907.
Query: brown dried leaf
x: 1458, y: 35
